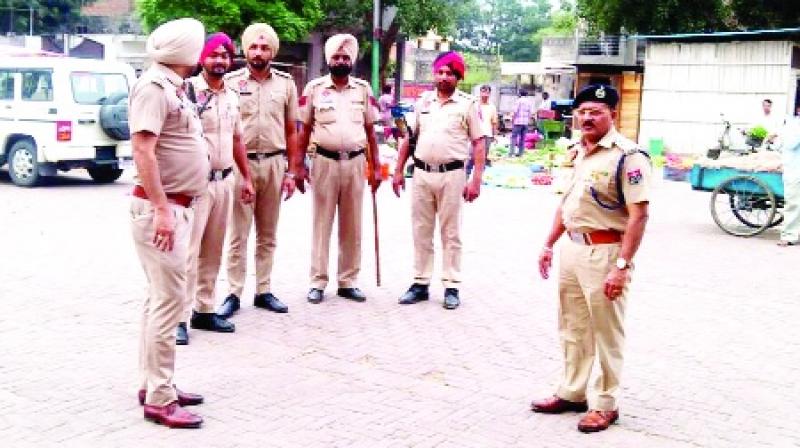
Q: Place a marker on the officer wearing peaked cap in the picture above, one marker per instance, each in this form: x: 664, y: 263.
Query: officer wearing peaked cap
x: 603, y: 213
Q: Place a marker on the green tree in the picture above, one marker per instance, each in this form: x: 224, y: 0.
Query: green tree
x: 412, y: 17
x: 503, y: 27
x: 49, y: 16
x: 292, y: 19
x: 654, y: 16
x: 761, y: 14
x: 562, y: 23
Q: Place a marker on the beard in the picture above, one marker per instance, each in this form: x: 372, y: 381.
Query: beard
x: 216, y: 71
x: 340, y: 70
x: 446, y: 87
x: 258, y: 64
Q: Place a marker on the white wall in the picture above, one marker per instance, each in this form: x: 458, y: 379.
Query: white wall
x: 688, y: 85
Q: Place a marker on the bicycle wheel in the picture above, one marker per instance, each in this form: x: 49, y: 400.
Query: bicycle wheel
x: 743, y: 206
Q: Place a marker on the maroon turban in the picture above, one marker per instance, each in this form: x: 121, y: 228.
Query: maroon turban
x: 214, y: 41
x: 452, y: 60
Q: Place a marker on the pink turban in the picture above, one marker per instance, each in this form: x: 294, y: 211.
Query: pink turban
x: 214, y: 41
x: 452, y: 60
x: 344, y: 42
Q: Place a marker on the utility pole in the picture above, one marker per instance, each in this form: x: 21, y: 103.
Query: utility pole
x: 400, y: 50
x: 30, y: 19
x: 376, y: 50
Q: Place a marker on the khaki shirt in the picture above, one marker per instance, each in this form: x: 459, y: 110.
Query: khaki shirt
x: 159, y: 105
x: 338, y: 116
x: 219, y: 113
x: 265, y: 108
x: 447, y: 129
x: 580, y: 211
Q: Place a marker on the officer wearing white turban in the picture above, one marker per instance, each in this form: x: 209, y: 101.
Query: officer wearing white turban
x: 268, y: 100
x: 172, y: 164
x: 178, y: 42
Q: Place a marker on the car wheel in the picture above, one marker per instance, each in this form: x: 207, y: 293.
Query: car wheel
x: 22, y: 164
x: 104, y: 174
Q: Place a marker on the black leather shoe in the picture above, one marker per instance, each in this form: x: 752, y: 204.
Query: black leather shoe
x: 314, y: 296
x: 211, y: 322
x: 451, y: 300
x: 416, y: 293
x: 228, y: 307
x: 270, y: 302
x: 354, y: 294
x: 181, y: 334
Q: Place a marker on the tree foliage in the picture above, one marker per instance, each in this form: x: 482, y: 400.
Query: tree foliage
x: 292, y: 19
x: 653, y: 16
x: 681, y: 16
x: 49, y: 16
x: 503, y: 27
x: 763, y: 14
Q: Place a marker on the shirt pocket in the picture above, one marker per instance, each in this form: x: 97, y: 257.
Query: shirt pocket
x: 357, y: 112
x: 248, y: 106
x: 325, y: 114
x: 456, y: 121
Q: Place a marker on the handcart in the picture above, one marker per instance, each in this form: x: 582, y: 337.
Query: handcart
x: 743, y: 203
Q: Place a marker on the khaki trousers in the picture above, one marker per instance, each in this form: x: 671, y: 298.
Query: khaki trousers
x: 212, y: 211
x: 166, y: 277
x: 791, y: 212
x: 442, y: 194
x: 337, y: 184
x: 267, y: 175
x: 589, y: 323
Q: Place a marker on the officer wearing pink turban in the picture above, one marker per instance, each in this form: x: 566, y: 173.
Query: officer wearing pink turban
x: 449, y: 131
x: 217, y: 104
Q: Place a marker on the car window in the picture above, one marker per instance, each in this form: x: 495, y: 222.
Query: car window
x: 37, y: 85
x: 95, y: 88
x: 6, y: 85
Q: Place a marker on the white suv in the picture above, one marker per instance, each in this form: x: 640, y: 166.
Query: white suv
x: 61, y: 113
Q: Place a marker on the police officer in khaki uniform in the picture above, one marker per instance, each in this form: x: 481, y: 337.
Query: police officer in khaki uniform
x: 449, y: 130
x: 338, y: 112
x: 604, y: 213
x: 268, y: 104
x: 217, y: 104
x: 172, y: 162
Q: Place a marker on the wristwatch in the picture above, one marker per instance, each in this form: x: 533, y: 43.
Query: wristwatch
x: 623, y: 263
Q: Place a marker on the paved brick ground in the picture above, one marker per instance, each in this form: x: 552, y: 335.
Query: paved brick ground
x: 711, y: 357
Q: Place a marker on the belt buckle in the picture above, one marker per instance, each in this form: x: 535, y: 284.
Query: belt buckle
x: 578, y: 237
x: 344, y: 155
x: 216, y: 175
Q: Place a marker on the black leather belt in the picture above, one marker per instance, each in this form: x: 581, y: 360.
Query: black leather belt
x: 443, y: 168
x: 263, y: 155
x: 219, y: 174
x: 337, y: 155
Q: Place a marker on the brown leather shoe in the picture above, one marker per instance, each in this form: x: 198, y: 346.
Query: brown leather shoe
x: 172, y: 415
x: 184, y: 398
x: 558, y: 405
x: 596, y: 421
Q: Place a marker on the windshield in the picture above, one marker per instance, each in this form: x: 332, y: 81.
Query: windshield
x: 94, y: 88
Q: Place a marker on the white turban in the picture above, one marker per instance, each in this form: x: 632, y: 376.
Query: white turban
x: 254, y: 31
x: 345, y: 42
x: 178, y: 42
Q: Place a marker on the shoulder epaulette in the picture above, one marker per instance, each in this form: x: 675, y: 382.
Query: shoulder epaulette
x: 282, y: 74
x: 235, y: 73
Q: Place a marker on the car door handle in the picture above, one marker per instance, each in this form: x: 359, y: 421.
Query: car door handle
x: 86, y: 121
